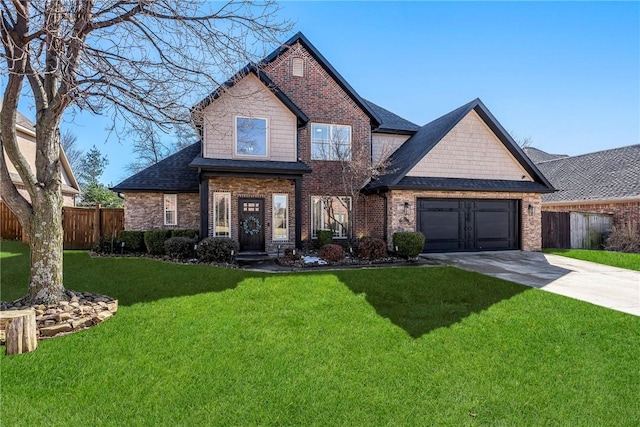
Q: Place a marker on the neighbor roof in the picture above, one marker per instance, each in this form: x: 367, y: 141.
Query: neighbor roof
x: 172, y: 174
x: 603, y: 175
x: 538, y: 156
x: 429, y: 135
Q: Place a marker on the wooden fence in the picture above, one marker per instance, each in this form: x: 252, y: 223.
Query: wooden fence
x: 82, y: 227
x: 575, y: 230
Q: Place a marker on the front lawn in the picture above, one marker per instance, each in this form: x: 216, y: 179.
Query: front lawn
x: 197, y: 345
x: 615, y: 259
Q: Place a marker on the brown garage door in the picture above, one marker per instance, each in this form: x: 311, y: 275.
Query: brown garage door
x: 468, y: 224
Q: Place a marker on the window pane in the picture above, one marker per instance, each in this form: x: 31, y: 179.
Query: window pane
x: 330, y: 213
x: 316, y: 215
x: 170, y: 208
x: 280, y: 217
x: 251, y: 136
x: 221, y: 214
x: 330, y: 142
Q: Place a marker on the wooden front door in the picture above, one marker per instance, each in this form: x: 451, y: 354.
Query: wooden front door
x: 251, y: 226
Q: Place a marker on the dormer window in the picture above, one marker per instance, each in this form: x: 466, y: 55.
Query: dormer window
x: 297, y: 67
x: 251, y: 137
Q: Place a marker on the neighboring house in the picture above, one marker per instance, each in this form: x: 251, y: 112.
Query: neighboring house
x: 266, y: 172
x: 26, y: 135
x: 602, y: 182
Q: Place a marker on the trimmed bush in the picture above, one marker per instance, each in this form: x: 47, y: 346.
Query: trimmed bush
x: 332, y: 253
x: 133, y: 240
x: 372, y: 248
x: 106, y: 245
x: 179, y: 247
x: 409, y: 244
x: 185, y: 232
x: 217, y: 249
x: 325, y: 237
x: 154, y: 241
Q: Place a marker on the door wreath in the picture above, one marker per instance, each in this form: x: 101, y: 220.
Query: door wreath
x: 246, y: 225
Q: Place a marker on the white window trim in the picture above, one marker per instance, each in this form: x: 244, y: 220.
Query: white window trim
x: 273, y: 217
x: 235, y: 138
x: 175, y: 210
x: 313, y: 232
x: 331, y: 130
x: 227, y: 196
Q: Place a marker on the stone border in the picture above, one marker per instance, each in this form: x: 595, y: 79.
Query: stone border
x: 77, y: 311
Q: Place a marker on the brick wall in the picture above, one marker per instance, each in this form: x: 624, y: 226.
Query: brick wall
x: 530, y: 225
x: 256, y: 188
x: 623, y: 212
x: 145, y: 211
x: 323, y: 101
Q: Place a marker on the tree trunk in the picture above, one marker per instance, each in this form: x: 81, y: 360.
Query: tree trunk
x: 45, y: 241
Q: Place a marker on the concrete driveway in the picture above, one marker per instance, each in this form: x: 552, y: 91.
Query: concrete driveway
x: 610, y: 287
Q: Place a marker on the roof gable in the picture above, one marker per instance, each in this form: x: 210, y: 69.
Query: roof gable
x: 405, y: 158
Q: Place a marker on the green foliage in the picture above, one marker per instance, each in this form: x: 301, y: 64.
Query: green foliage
x: 186, y: 232
x: 325, y: 237
x: 409, y: 243
x: 332, y: 253
x: 372, y: 248
x: 179, y: 247
x: 133, y: 240
x: 386, y: 338
x: 98, y: 194
x: 154, y: 241
x: 217, y: 249
x: 92, y: 166
x: 629, y: 261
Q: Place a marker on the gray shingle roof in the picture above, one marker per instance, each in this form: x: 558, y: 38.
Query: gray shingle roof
x: 391, y: 122
x: 172, y: 174
x: 429, y: 135
x: 604, y: 175
x: 538, y: 156
x: 250, y: 166
x: 463, y: 184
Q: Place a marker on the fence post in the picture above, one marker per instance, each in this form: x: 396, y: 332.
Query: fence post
x: 97, y: 232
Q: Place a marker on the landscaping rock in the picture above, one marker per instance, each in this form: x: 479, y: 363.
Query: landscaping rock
x: 50, y: 331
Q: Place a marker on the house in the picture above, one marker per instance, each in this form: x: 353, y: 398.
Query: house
x: 26, y: 134
x: 606, y: 181
x: 268, y: 170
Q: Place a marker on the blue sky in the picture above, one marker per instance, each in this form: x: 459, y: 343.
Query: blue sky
x: 566, y: 75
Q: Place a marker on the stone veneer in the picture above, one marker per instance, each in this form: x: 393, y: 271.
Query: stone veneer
x: 145, y: 211
x: 530, y: 225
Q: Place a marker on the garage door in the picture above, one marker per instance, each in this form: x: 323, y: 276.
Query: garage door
x: 468, y: 224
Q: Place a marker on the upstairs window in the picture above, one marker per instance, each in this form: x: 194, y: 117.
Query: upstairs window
x: 170, y: 209
x: 330, y: 142
x: 251, y: 137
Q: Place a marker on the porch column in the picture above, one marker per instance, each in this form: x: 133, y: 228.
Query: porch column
x: 298, y: 207
x: 204, y: 206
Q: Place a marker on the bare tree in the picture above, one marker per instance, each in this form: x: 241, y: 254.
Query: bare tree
x: 74, y: 154
x: 358, y: 168
x: 135, y: 60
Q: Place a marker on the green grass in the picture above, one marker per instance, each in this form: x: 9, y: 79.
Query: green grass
x: 615, y: 259
x: 196, y: 345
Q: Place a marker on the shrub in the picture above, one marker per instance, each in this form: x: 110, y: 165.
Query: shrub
x: 106, y: 245
x: 332, y: 253
x: 217, y: 249
x: 185, y: 232
x: 409, y: 244
x: 179, y: 247
x: 154, y: 241
x: 372, y: 248
x: 133, y: 240
x: 292, y: 254
x: 624, y: 238
x: 325, y: 237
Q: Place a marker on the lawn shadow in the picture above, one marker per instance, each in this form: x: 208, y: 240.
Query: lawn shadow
x: 420, y: 300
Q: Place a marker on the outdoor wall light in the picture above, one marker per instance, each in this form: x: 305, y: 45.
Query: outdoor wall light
x: 531, y: 209
x: 406, y: 208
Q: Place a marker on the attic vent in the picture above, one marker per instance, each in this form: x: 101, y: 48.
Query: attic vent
x: 297, y: 67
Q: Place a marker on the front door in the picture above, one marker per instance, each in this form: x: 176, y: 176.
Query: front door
x: 251, y: 227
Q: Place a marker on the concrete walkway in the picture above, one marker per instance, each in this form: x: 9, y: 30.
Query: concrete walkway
x: 598, y: 284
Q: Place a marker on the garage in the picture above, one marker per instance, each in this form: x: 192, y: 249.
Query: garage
x: 468, y: 224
